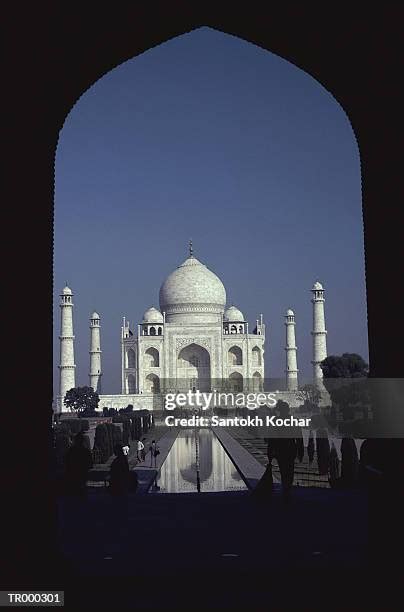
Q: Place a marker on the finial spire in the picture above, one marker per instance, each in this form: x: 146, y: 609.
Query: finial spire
x: 191, y: 250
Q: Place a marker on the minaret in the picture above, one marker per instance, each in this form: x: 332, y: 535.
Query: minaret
x: 291, y: 352
x: 66, y: 367
x: 95, y: 353
x: 319, y: 332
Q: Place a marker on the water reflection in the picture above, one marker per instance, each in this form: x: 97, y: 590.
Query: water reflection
x: 198, y: 462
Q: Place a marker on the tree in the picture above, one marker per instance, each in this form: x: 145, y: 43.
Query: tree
x: 82, y: 399
x: 62, y: 443
x: 348, y: 365
x: 348, y: 396
x: 127, y: 410
x: 310, y: 395
x: 101, y: 442
x: 125, y: 420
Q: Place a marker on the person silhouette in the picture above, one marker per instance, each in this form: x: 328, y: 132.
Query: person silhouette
x: 284, y: 448
x: 143, y: 451
x: 78, y: 462
x: 139, y: 449
x: 119, y: 472
x: 154, y: 452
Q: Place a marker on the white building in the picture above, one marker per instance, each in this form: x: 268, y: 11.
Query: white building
x: 191, y: 342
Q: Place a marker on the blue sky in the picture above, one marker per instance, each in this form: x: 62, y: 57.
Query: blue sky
x: 211, y: 138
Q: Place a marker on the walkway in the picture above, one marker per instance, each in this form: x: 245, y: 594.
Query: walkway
x: 216, y: 547
x: 306, y: 474
x: 100, y: 473
x: 215, y: 550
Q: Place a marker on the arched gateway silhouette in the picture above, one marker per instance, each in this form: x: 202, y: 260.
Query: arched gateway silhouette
x: 235, y: 358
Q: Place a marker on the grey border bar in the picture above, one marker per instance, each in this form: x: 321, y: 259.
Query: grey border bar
x: 12, y: 599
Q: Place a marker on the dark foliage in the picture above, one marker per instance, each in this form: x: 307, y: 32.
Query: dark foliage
x: 89, y: 414
x: 126, y: 426
x: 62, y: 443
x: 127, y: 410
x: 117, y: 438
x: 109, y: 412
x: 82, y: 399
x: 86, y: 442
x: 102, y: 442
x: 74, y: 426
x: 310, y: 395
x: 109, y: 427
x: 348, y: 365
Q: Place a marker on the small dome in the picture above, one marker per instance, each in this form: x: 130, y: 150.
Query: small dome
x: 152, y: 315
x: 95, y: 315
x: 233, y: 314
x: 67, y: 291
x: 317, y: 286
x: 290, y: 313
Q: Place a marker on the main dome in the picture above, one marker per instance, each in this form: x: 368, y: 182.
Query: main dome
x: 192, y: 292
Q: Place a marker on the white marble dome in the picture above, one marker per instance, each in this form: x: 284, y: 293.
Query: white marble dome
x: 290, y: 312
x: 67, y: 291
x: 192, y: 292
x: 95, y: 315
x: 317, y: 286
x: 152, y: 315
x: 233, y: 314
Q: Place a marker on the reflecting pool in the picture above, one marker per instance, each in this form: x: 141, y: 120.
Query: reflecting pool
x: 197, y: 462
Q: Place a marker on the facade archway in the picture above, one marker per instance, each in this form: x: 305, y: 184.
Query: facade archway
x: 193, y: 368
x: 257, y: 382
x: 131, y: 384
x: 235, y: 356
x: 152, y: 358
x: 130, y: 359
x: 152, y: 384
x: 256, y: 356
x: 236, y: 382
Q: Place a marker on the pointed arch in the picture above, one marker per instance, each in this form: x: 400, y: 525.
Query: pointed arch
x: 130, y: 358
x: 257, y: 382
x: 152, y: 384
x: 236, y: 382
x: 193, y: 368
x: 131, y: 384
x: 256, y: 356
x: 152, y: 357
x: 235, y: 356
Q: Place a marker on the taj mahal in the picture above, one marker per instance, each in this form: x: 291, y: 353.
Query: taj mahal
x: 191, y: 342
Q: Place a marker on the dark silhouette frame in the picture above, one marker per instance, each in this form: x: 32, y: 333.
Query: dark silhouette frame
x: 55, y: 53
